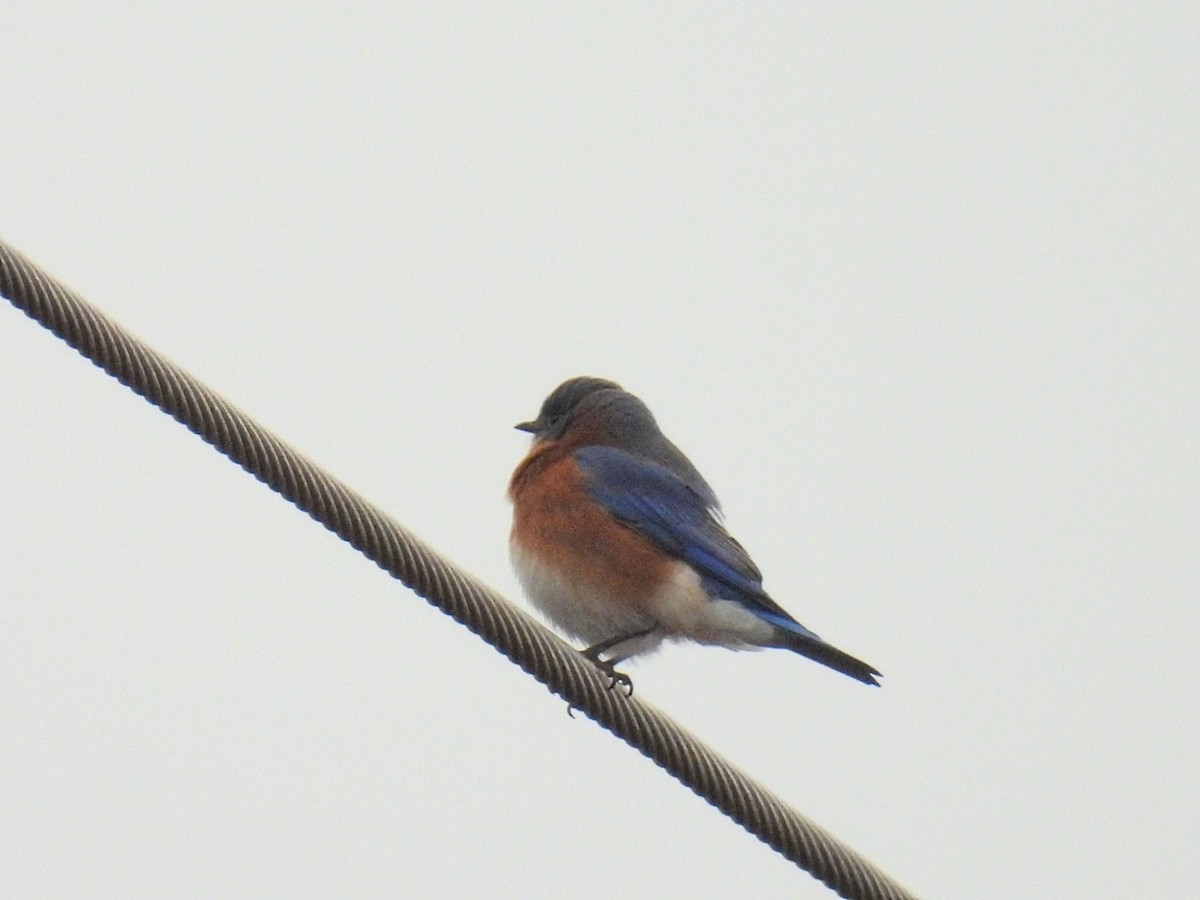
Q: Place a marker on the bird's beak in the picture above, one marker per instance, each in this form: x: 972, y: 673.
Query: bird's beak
x: 531, y: 427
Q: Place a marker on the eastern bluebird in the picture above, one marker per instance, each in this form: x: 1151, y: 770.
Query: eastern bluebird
x: 617, y: 539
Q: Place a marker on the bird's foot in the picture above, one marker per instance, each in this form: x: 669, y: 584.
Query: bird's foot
x: 615, y: 677
x: 608, y: 667
x: 595, y: 653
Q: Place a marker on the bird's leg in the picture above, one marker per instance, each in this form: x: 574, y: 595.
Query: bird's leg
x: 608, y: 666
x: 593, y: 652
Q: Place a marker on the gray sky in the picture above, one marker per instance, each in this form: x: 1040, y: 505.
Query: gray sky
x: 914, y: 286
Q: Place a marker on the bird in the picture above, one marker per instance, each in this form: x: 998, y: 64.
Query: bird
x: 619, y: 541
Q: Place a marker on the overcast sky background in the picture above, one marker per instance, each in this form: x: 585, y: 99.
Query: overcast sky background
x: 915, y: 286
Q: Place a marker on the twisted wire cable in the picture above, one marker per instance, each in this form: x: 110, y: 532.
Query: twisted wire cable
x: 485, y: 612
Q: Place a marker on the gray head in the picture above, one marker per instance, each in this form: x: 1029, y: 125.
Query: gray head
x: 591, y: 411
x: 567, y: 401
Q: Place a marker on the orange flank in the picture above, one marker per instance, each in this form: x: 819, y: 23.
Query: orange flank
x: 556, y: 521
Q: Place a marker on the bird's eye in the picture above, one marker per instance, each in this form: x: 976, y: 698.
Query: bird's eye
x: 554, y: 423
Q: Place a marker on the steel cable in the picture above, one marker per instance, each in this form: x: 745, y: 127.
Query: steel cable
x: 510, y: 630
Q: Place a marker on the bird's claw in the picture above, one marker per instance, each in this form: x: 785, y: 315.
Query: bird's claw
x: 614, y: 678
x: 622, y: 679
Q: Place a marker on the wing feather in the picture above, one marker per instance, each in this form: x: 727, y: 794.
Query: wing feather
x: 656, y: 503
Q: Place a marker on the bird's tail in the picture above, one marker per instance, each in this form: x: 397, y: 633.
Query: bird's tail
x: 828, y: 655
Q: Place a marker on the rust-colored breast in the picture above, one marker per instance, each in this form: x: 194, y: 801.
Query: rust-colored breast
x: 555, y: 519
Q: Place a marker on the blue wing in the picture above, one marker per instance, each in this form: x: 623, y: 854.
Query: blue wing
x: 659, y: 505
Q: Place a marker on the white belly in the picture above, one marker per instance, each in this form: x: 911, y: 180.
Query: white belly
x: 681, y: 609
x: 586, y: 613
